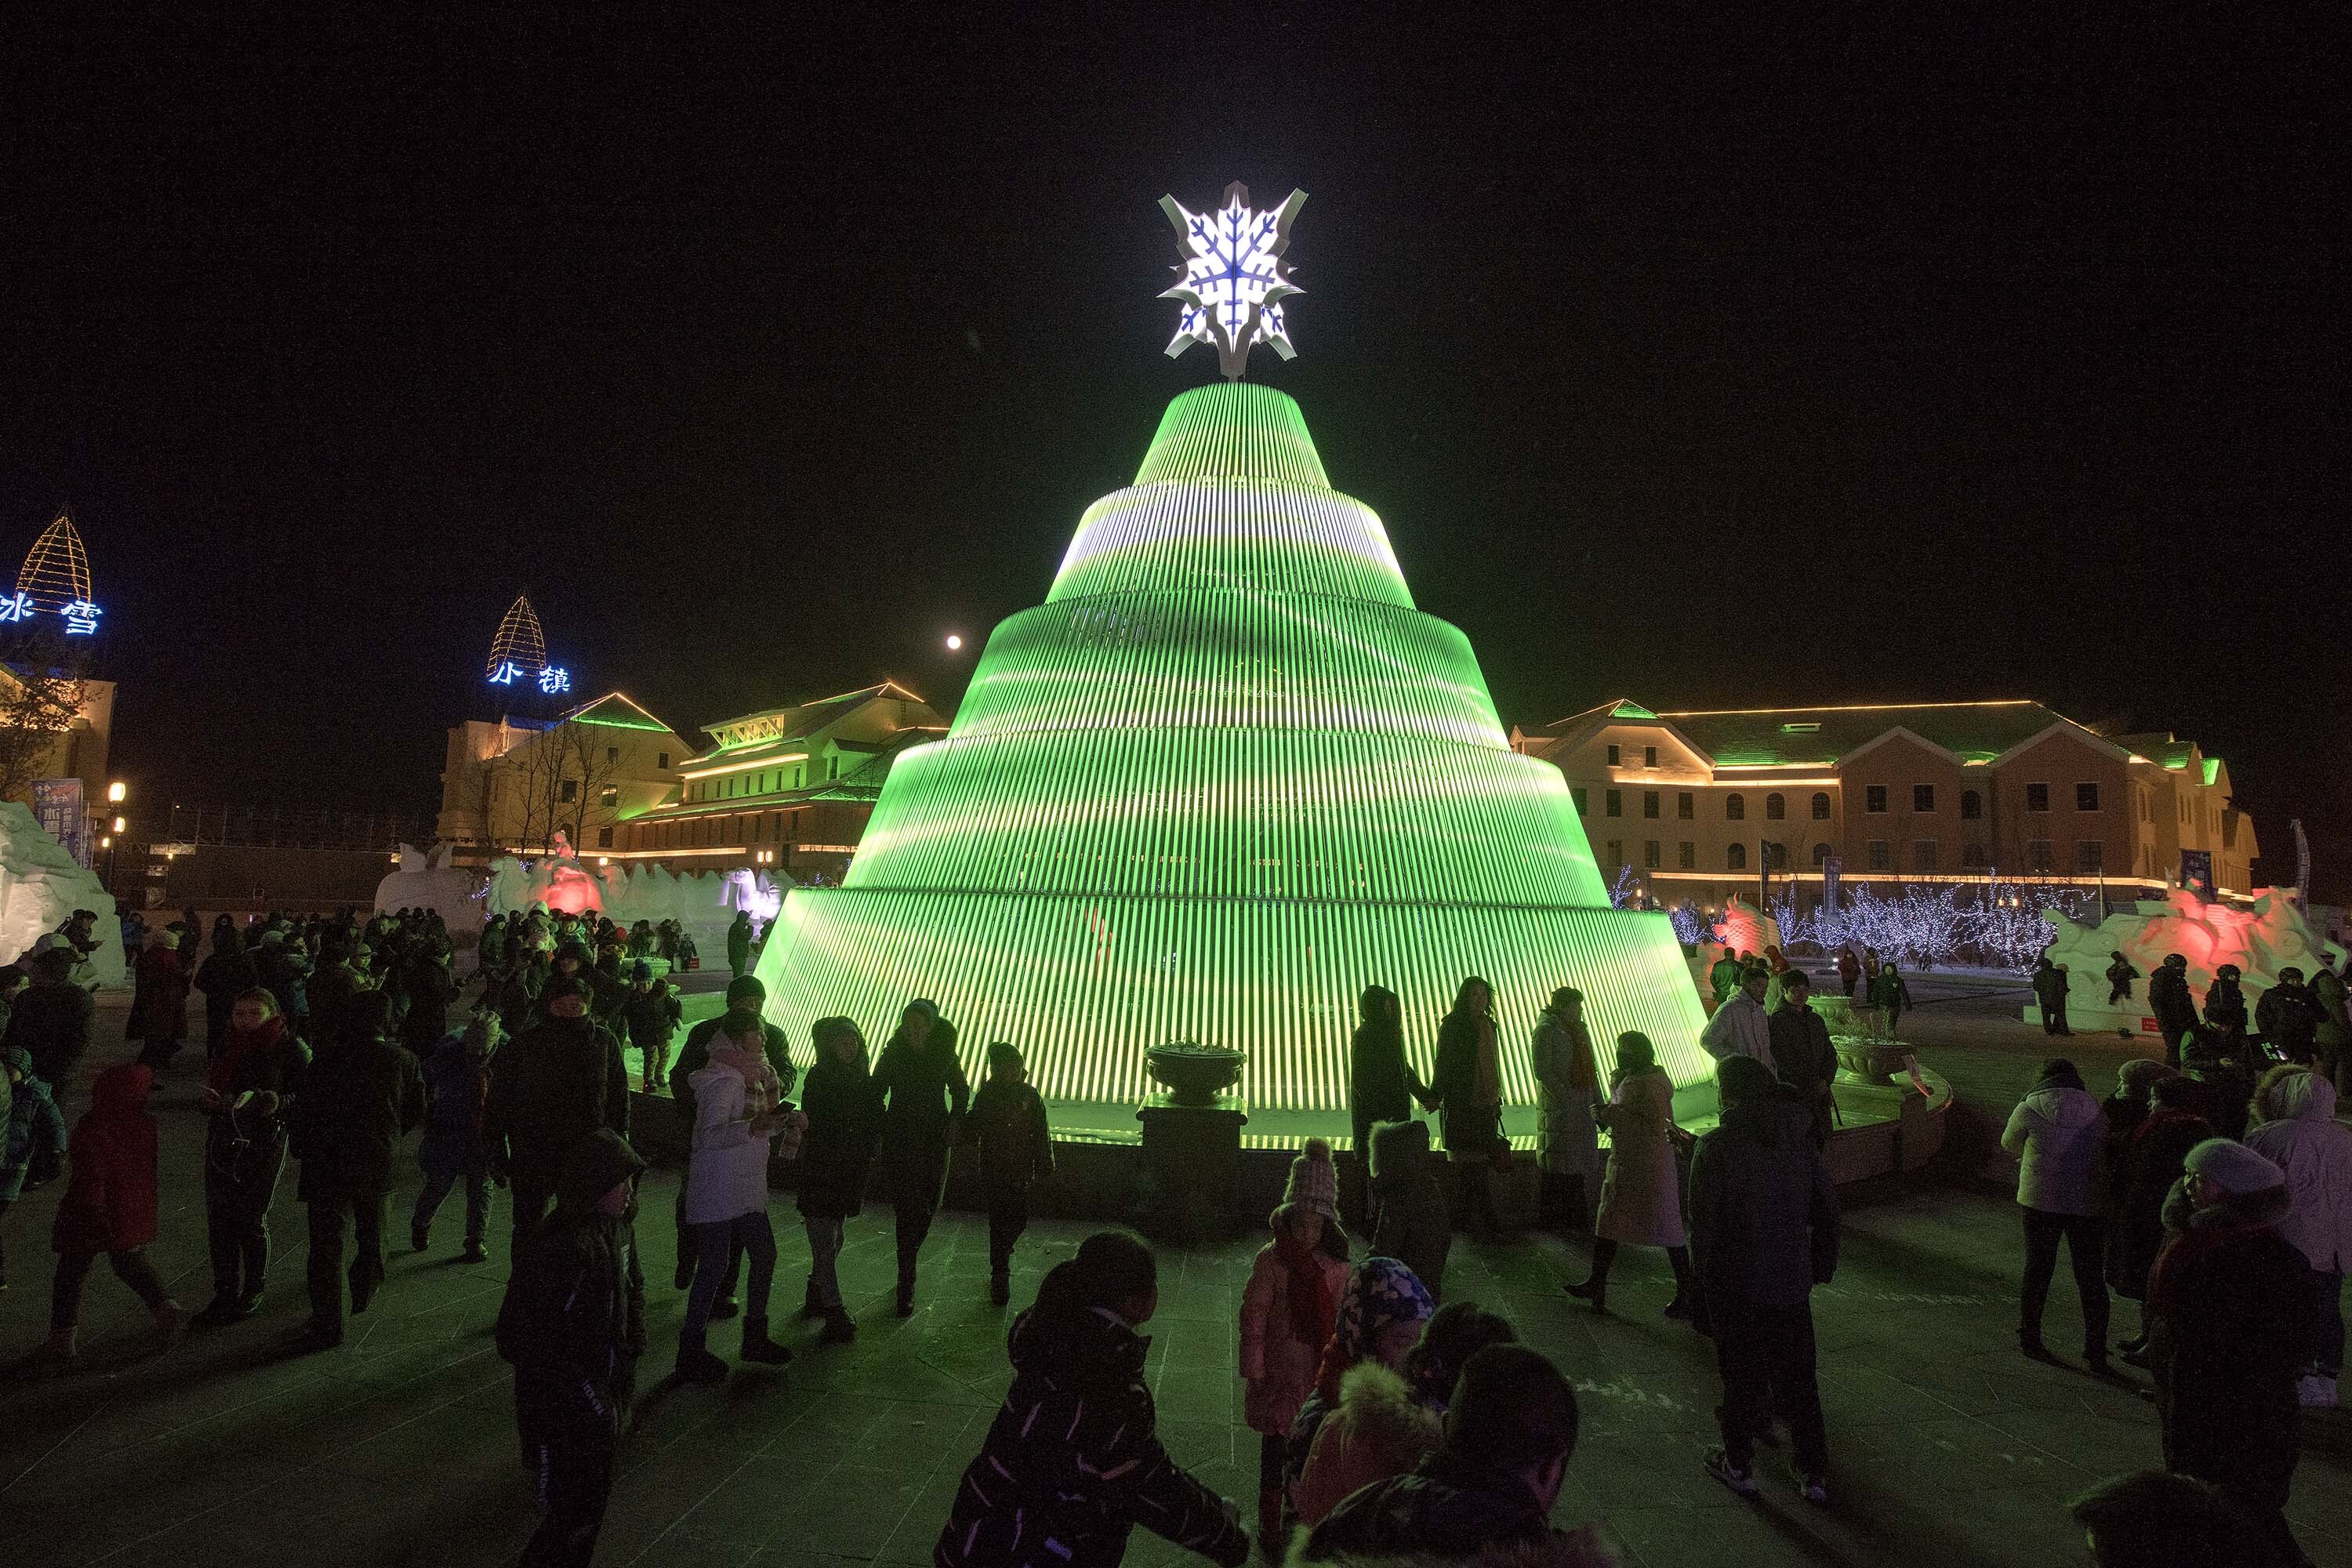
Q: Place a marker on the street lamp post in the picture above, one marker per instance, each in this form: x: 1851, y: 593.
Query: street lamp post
x: 116, y: 794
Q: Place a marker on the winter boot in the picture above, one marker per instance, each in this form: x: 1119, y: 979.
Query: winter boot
x: 1000, y: 1287
x: 838, y: 1329
x: 809, y: 1307
x: 758, y: 1347
x: 696, y: 1364
x: 1270, y: 1533
x: 1595, y: 1290
x: 906, y: 1295
x: 725, y: 1307
x: 223, y: 1309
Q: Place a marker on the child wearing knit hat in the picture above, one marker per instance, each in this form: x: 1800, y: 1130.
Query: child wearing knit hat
x: 1286, y: 1313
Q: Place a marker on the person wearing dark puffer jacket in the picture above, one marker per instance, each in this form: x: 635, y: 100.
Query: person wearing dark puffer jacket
x: 1073, y: 1462
x: 1487, y: 1490
x: 360, y: 1095
x: 2231, y: 1306
x: 551, y: 1087
x: 573, y: 1324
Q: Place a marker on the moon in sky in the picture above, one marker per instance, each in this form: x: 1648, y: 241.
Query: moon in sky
x: 954, y: 642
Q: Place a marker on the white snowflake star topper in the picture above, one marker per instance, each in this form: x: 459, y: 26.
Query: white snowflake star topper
x: 1235, y: 279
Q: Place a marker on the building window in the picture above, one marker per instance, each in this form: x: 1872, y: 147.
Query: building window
x: 1616, y: 853
x: 1972, y: 855
x: 1776, y: 856
x: 2037, y: 797
x: 661, y: 759
x: 1821, y: 856
x: 1650, y: 803
x: 1873, y: 798
x: 2037, y: 854
x: 2086, y: 797
x: 1734, y: 859
x: 1971, y: 806
x: 568, y: 791
x: 1613, y: 756
x: 833, y: 766
x: 1923, y: 797
x: 1776, y: 808
x: 609, y: 796
x: 604, y: 838
x: 1649, y: 756
x: 1923, y: 855
x: 1820, y: 805
x: 1734, y: 808
x: 1686, y: 806
x: 1612, y: 803
x: 1879, y: 859
x: 2089, y: 854
x: 1686, y: 856
x: 1650, y: 854
x: 1583, y: 802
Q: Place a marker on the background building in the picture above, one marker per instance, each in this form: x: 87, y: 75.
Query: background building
x: 786, y: 787
x: 1696, y: 802
x: 511, y: 785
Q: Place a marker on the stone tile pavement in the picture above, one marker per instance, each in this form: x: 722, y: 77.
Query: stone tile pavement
x: 399, y: 1448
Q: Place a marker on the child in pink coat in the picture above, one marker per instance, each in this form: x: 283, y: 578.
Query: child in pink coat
x: 1286, y: 1314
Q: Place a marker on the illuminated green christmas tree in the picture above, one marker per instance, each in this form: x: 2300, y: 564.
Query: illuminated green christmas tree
x: 1221, y: 779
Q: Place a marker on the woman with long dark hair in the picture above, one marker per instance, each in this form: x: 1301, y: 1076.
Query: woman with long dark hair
x: 1381, y: 1084
x: 1641, y: 1196
x: 1469, y: 1093
x: 844, y: 1112
x: 926, y: 1095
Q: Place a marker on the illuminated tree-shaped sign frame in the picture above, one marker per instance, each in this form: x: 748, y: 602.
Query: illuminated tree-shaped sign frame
x: 55, y: 573
x: 520, y: 649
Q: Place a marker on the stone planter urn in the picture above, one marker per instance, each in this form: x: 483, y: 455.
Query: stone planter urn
x: 1191, y: 1073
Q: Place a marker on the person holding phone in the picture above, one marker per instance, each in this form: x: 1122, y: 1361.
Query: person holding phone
x: 249, y: 1089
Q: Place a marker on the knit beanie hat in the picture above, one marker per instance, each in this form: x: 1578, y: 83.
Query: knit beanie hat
x: 1314, y: 1180
x: 2233, y: 1167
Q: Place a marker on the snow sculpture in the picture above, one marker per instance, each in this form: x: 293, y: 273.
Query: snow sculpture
x: 40, y: 888
x: 2261, y: 941
x: 703, y: 902
x: 427, y: 881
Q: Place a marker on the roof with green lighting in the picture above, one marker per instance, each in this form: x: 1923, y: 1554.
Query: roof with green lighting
x: 616, y: 711
x: 746, y: 734
x: 1779, y: 737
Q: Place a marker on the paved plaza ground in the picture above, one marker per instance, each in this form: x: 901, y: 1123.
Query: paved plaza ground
x: 1948, y: 1448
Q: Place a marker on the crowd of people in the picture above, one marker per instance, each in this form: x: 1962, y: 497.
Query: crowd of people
x: 1391, y: 1426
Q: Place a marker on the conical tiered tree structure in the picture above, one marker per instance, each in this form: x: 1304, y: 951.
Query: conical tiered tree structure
x: 1224, y: 777
x: 518, y: 640
x: 55, y: 571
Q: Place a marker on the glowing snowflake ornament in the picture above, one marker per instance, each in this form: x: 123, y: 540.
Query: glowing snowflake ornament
x: 1235, y: 277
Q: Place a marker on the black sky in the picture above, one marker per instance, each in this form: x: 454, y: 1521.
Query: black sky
x: 1851, y: 353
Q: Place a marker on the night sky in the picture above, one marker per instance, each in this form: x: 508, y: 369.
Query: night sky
x: 1873, y: 357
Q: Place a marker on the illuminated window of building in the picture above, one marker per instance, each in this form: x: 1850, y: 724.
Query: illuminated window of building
x: 1650, y: 803
x: 2086, y: 797
x: 1649, y: 756
x: 1734, y: 808
x: 1776, y: 808
x: 1820, y: 805
x: 1821, y: 856
x: 2037, y: 854
x: 1686, y: 856
x: 608, y: 796
x: 1613, y: 804
x: 1923, y: 855
x: 2037, y: 797
x: 1880, y: 861
x: 1971, y: 805
x: 2089, y: 854
x: 1923, y: 797
x: 1686, y: 806
x: 1577, y: 794
x: 568, y: 791
x: 1873, y: 798
x: 1734, y: 859
x: 1613, y: 756
x: 1650, y: 860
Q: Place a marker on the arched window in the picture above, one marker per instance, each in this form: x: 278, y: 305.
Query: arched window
x: 1736, y: 858
x: 1776, y: 856
x: 1820, y: 805
x: 1776, y: 808
x: 1971, y: 805
x: 1735, y: 807
x: 1821, y: 856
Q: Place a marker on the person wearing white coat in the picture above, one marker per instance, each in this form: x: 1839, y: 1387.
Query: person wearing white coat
x: 2059, y: 1134
x: 1741, y: 1027
x: 739, y: 1108
x: 2296, y: 1129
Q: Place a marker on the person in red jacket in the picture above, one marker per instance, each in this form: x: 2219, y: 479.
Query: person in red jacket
x: 109, y: 1205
